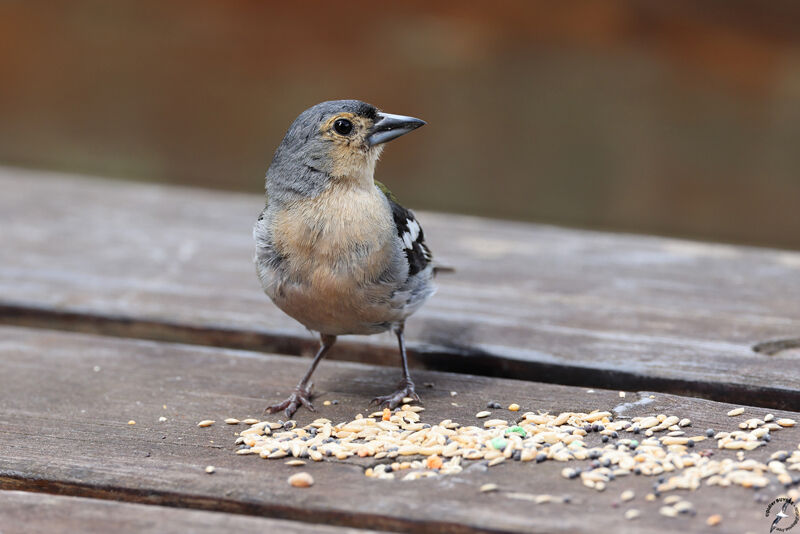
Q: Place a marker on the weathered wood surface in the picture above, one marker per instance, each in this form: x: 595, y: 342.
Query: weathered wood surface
x: 66, y: 400
x: 28, y: 513
x: 527, y: 301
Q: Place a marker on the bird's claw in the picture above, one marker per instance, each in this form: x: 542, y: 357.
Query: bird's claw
x: 393, y: 400
x: 300, y: 396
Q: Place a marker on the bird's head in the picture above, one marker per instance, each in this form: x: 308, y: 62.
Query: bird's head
x: 339, y: 140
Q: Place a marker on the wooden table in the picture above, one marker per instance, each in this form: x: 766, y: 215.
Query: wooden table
x: 128, y: 302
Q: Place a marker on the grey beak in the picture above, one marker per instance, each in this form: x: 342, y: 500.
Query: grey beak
x: 389, y: 127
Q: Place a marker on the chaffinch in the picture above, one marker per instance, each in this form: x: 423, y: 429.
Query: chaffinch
x: 334, y: 248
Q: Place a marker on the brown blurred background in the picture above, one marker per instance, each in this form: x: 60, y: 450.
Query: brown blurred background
x: 677, y: 117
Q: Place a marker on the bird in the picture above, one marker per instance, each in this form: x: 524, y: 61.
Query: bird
x: 335, y: 249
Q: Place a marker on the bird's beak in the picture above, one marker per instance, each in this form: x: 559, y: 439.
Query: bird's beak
x: 388, y: 127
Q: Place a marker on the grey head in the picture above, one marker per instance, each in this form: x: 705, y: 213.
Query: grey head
x: 334, y: 140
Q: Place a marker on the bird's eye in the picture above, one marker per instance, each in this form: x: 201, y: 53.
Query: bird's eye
x: 343, y: 126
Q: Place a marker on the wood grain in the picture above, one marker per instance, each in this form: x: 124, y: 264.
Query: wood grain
x: 26, y: 513
x: 66, y: 400
x: 527, y: 301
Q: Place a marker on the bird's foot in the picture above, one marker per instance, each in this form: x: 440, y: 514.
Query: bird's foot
x: 405, y: 389
x: 300, y: 396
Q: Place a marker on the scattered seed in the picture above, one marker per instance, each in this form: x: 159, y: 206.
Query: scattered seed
x: 627, y: 495
x: 632, y: 514
x: 499, y: 443
x: 486, y: 488
x: 516, y: 430
x: 714, y: 520
x: 326, y: 403
x: 131, y: 422
x: 232, y: 421
x: 735, y: 412
x: 786, y: 422
x: 162, y: 419
x: 434, y: 462
x: 514, y: 407
x: 250, y: 421
x: 668, y: 511
x: 661, y: 450
x: 295, y: 463
x: 301, y: 480
x: 204, y: 423
x: 622, y: 396
x: 210, y: 469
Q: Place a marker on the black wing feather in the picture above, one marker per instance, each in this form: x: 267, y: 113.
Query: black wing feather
x: 410, y: 233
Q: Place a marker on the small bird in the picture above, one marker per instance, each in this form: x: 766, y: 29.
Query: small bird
x: 334, y: 248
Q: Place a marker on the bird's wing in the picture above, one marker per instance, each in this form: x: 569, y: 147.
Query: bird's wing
x: 410, y: 233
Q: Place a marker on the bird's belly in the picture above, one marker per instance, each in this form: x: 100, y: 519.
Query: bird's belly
x: 334, y: 305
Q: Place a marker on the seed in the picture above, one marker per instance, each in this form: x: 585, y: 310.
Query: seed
x: 204, y: 423
x: 326, y: 403
x: 769, y: 417
x: 232, y: 421
x: 481, y: 415
x: 627, y: 495
x: 250, y: 421
x: 498, y: 460
x: 684, y: 422
x: 786, y: 422
x: 486, y: 488
x: 633, y: 513
x: 735, y: 412
x: 210, y: 469
x: 672, y: 499
x: 668, y: 511
x: 131, y: 422
x: 434, y: 462
x: 495, y: 422
x: 295, y: 463
x: 516, y: 430
x: 301, y: 480
x: 622, y: 396
x: 499, y: 443
x: 683, y: 507
x: 162, y: 419
x: 387, y: 414
x: 714, y: 520
x: 569, y: 472
x: 513, y: 407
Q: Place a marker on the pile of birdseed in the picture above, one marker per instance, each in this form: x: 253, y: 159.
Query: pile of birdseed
x: 660, y: 445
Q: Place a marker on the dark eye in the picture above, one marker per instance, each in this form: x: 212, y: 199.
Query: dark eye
x: 343, y: 126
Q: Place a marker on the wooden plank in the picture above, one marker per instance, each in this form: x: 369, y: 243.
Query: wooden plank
x: 67, y: 399
x: 23, y: 512
x: 527, y: 301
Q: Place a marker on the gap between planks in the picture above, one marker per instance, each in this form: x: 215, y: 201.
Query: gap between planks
x: 472, y: 361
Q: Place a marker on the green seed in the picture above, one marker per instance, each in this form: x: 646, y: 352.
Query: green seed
x: 499, y: 443
x: 516, y: 430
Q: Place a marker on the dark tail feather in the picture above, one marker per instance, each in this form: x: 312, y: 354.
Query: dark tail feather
x: 442, y: 269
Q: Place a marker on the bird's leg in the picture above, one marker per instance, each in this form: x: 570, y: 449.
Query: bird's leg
x: 406, y: 386
x: 302, y: 392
